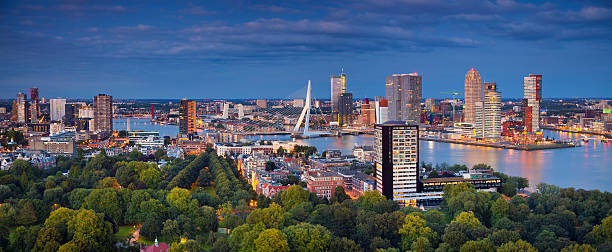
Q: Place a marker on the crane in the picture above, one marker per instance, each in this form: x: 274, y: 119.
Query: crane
x: 454, y: 94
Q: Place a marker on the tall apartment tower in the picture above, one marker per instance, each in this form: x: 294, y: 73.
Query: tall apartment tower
x: 473, y: 94
x: 487, y: 114
x: 532, y: 101
x: 58, y: 109
x: 368, y: 117
x: 397, y: 158
x: 338, y: 86
x: 404, y: 92
x: 34, y: 105
x: 187, y: 117
x: 20, y: 108
x: 382, y: 111
x: 103, y: 113
x: 345, y: 108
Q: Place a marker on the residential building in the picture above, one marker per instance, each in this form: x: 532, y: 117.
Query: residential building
x: 404, y: 92
x: 58, y: 109
x: 261, y: 103
x: 397, y: 158
x: 20, y: 108
x: 487, y: 114
x: 323, y: 183
x: 532, y: 101
x: 472, y: 94
x: 187, y: 117
x: 103, y: 113
x: 382, y: 111
x: 368, y: 115
x: 298, y: 103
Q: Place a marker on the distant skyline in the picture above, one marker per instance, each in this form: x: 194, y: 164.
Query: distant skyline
x: 263, y: 49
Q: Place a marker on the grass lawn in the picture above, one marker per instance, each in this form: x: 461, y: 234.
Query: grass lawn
x: 124, y: 232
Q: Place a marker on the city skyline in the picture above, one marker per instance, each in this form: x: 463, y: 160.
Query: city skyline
x: 269, y: 51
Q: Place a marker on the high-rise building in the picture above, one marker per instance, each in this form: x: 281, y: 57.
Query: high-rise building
x: 298, y: 103
x: 532, y: 101
x: 472, y: 94
x: 345, y: 109
x: 487, y: 114
x: 397, y: 158
x: 187, y: 117
x: 103, y: 113
x: 225, y: 114
x: 34, y: 105
x: 382, y: 111
x: 57, y: 107
x: 240, y: 109
x: 404, y: 92
x: 338, y: 86
x: 20, y: 108
x: 71, y: 114
x: 368, y: 115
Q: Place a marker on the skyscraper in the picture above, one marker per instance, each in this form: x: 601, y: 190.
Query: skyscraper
x: 396, y: 161
x: 71, y: 114
x: 58, y: 109
x: 338, y: 86
x: 368, y: 115
x: 20, y: 108
x: 487, y: 114
x: 404, y: 96
x: 382, y: 111
x: 472, y: 94
x: 345, y: 108
x: 34, y: 106
x: 188, y: 115
x: 532, y: 101
x: 103, y: 113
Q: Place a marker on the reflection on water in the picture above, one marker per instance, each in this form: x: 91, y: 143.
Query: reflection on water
x: 588, y: 167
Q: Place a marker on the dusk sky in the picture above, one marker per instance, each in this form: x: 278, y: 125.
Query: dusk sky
x: 270, y: 49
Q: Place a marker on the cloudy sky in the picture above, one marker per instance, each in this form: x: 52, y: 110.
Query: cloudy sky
x: 245, y: 49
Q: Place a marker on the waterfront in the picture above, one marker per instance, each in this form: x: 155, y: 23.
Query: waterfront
x: 585, y: 167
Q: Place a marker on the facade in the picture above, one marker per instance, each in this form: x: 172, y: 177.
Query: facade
x: 34, y: 107
x: 71, y: 113
x: 298, y: 103
x: 397, y: 158
x: 338, y: 86
x: 487, y: 114
x: 404, y: 92
x: 103, y: 113
x: 472, y: 94
x: 323, y: 183
x: 58, y: 109
x: 382, y: 111
x: 368, y: 117
x: 187, y: 117
x: 345, y: 108
x: 532, y: 101
x: 261, y: 103
x: 20, y: 108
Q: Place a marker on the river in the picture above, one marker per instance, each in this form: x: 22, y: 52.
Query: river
x: 587, y: 167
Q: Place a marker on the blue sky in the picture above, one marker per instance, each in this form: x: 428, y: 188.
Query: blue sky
x: 246, y: 49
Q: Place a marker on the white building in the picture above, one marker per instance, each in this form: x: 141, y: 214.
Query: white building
x: 58, y: 109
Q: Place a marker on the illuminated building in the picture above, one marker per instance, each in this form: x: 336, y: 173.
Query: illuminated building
x: 298, y: 103
x: 71, y: 113
x: 368, y: 117
x: 345, y: 109
x: 472, y: 94
x: 404, y: 96
x: 58, y: 109
x: 338, y: 86
x: 323, y: 183
x: 187, y: 117
x: 397, y: 158
x: 262, y: 103
x: 487, y: 114
x: 103, y: 113
x: 34, y: 106
x: 382, y: 111
x: 20, y: 108
x: 532, y: 101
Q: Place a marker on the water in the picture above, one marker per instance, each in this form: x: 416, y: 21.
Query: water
x: 587, y: 167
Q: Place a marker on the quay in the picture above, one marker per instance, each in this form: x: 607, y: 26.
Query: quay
x: 528, y: 147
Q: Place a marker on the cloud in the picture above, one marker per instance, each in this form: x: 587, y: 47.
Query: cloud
x: 137, y: 28
x: 196, y: 10
x: 78, y: 8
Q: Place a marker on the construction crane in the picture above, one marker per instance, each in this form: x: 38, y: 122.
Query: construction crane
x: 454, y: 94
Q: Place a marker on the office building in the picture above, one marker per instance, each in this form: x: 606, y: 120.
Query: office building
x: 187, y: 117
x: 57, y: 107
x: 532, y: 101
x: 472, y: 94
x: 487, y: 114
x: 71, y: 114
x: 21, y: 108
x: 345, y: 109
x: 298, y: 103
x: 225, y: 114
x: 404, y: 96
x: 397, y: 158
x: 103, y: 113
x: 382, y: 111
x: 368, y: 117
x: 338, y: 86
x: 34, y: 105
x: 240, y: 109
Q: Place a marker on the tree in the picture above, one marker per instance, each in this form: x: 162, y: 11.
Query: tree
x: 499, y: 209
x: 421, y: 245
x: 601, y: 233
x: 23, y: 238
x: 171, y: 230
x: 125, y: 175
x: 343, y: 244
x: 413, y: 228
x: 271, y: 217
x: 151, y: 177
x: 468, y: 219
x: 500, y: 237
x: 518, y: 246
x: 135, y: 155
x: 579, y: 248
x: 339, y: 195
x: 293, y: 195
x: 105, y: 201
x: 90, y: 231
x: 159, y: 153
x: 179, y: 198
x: 271, y: 240
x: 481, y: 246
x: 307, y: 237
